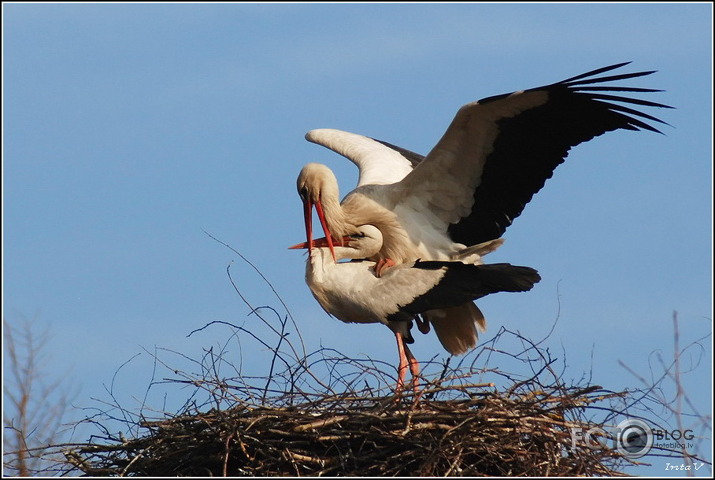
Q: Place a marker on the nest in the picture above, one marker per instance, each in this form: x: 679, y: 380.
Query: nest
x: 484, y: 433
x: 503, y: 410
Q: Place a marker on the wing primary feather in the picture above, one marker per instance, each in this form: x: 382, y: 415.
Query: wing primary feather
x: 614, y: 89
x: 596, y: 72
x: 532, y: 143
x: 623, y: 108
x: 635, y: 101
x: 611, y: 78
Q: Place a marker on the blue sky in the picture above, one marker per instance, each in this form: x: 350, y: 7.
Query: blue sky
x: 132, y: 130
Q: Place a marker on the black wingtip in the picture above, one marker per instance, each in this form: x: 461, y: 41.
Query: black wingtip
x: 596, y: 72
x: 585, y: 85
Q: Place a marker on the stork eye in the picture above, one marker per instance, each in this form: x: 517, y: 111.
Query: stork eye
x: 303, y: 192
x: 358, y: 235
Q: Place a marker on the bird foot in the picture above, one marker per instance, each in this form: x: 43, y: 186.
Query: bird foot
x: 400, y: 389
x: 382, y: 265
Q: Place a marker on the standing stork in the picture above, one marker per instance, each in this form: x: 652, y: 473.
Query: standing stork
x: 351, y: 292
x: 494, y: 156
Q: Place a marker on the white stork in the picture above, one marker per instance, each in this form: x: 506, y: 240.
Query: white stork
x: 495, y: 155
x: 351, y: 291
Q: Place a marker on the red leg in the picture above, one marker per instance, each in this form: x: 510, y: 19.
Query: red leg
x: 414, y: 369
x: 406, y: 360
x: 402, y: 367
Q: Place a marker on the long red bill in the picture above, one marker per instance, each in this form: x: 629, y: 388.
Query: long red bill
x: 318, y: 243
x: 308, y: 213
x: 326, y: 230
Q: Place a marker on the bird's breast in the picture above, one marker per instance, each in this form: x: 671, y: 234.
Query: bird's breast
x: 344, y: 290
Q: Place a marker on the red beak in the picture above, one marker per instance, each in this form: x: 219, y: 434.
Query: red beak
x: 318, y: 242
x: 308, y: 213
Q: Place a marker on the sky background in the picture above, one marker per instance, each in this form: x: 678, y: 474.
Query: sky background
x: 130, y: 131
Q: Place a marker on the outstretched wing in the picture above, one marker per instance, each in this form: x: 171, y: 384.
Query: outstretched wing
x: 498, y: 152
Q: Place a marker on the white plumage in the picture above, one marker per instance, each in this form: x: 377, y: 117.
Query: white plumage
x: 351, y: 291
x: 494, y: 156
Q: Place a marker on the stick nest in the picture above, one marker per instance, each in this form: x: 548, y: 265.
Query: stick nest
x: 480, y: 433
x: 504, y: 409
x: 310, y: 418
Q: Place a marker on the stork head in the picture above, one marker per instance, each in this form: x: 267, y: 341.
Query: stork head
x: 317, y: 186
x: 364, y: 243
